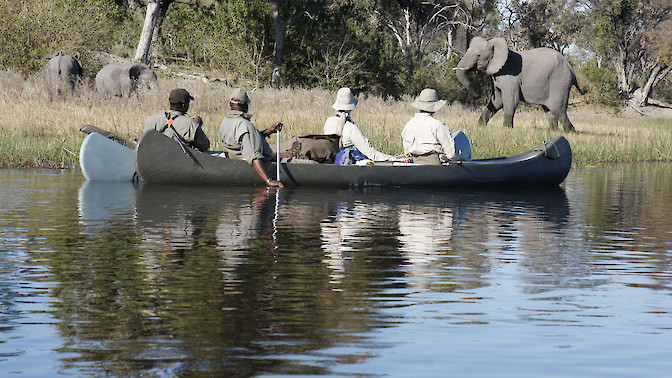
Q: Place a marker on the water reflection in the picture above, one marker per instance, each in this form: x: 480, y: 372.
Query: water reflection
x: 254, y: 279
x: 243, y: 281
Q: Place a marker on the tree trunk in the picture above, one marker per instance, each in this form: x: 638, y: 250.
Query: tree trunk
x: 142, y: 52
x: 280, y: 27
x: 657, y: 74
x: 620, y: 64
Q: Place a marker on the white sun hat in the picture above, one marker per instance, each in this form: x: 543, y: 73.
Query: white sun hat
x: 428, y: 100
x: 345, y: 100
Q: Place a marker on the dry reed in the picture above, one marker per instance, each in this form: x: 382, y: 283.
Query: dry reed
x: 40, y: 125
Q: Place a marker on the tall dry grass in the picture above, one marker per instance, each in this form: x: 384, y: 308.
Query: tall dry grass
x: 39, y: 124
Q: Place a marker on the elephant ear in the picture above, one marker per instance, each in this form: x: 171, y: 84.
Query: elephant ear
x: 499, y: 56
x: 134, y: 72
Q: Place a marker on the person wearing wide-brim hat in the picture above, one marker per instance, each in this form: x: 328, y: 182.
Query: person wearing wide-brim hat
x: 426, y: 139
x: 352, y: 138
x: 241, y: 140
x: 176, y: 122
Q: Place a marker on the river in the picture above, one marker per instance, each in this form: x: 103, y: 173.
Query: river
x: 114, y: 279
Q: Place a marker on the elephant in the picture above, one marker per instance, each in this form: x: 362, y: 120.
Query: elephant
x: 117, y: 79
x: 541, y: 76
x: 62, y: 67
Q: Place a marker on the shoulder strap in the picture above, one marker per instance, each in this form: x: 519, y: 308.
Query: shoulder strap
x: 343, y: 117
x: 169, y: 123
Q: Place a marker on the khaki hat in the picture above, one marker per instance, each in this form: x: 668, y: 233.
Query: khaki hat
x: 345, y: 100
x: 179, y: 96
x: 429, y: 101
x: 239, y: 96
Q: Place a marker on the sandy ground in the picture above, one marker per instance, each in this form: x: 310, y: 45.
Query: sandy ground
x: 655, y: 109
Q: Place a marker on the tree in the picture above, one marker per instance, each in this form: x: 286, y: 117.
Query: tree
x: 542, y: 23
x: 415, y: 25
x: 621, y: 28
x: 280, y: 27
x: 156, y: 10
x: 657, y: 60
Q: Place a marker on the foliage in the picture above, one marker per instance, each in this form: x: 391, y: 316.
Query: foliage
x: 436, y: 72
x: 231, y: 37
x: 663, y: 90
x: 32, y: 30
x: 602, y: 88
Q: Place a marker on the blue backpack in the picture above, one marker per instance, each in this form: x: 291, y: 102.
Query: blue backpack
x: 348, y: 156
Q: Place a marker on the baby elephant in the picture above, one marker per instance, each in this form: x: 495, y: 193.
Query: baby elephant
x: 116, y: 79
x: 62, y: 67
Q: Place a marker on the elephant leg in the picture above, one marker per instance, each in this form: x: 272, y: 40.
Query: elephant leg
x: 566, y: 124
x: 493, y: 107
x: 559, y: 114
x: 509, y: 111
x: 551, y: 117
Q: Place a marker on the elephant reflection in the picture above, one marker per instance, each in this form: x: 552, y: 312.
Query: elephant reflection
x: 540, y: 76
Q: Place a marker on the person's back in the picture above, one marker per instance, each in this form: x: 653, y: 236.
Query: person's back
x: 425, y: 138
x: 351, y: 136
x: 176, y: 121
x: 241, y: 140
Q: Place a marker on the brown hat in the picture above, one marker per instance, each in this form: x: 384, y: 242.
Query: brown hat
x: 179, y: 96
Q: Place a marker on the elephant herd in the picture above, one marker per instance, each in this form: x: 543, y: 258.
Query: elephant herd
x: 114, y: 79
x: 539, y: 76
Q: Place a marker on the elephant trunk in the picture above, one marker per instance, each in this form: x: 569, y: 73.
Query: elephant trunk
x: 461, y: 73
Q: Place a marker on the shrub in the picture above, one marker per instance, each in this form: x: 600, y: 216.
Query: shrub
x: 32, y: 30
x: 602, y: 85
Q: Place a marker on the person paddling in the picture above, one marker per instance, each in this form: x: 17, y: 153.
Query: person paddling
x: 241, y: 140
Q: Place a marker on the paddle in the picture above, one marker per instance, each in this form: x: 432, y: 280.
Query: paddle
x: 277, y: 154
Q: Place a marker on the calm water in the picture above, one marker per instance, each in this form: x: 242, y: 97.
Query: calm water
x: 109, y: 279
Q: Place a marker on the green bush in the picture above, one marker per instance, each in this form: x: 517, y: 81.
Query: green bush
x: 32, y: 30
x: 229, y: 37
x: 438, y: 73
x: 602, y: 85
x: 663, y: 90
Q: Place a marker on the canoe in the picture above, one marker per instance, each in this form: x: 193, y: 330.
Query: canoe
x: 162, y: 160
x: 101, y: 158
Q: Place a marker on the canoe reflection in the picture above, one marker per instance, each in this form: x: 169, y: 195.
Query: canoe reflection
x: 100, y: 202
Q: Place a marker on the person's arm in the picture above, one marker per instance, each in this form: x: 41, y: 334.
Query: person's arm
x: 201, y: 140
x: 364, y: 145
x: 446, y: 141
x: 259, y: 167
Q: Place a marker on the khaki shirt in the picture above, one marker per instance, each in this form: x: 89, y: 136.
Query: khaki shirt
x: 353, y: 136
x: 187, y: 128
x: 424, y: 134
x: 239, y: 134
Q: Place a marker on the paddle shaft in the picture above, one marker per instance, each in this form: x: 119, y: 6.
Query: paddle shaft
x: 277, y: 156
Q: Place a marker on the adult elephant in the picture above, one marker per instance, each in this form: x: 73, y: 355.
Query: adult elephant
x: 540, y: 76
x: 62, y: 67
x: 117, y: 79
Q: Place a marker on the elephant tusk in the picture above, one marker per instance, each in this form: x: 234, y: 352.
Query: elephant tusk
x: 461, y: 68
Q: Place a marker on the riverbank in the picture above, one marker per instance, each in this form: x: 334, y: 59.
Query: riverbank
x: 40, y: 128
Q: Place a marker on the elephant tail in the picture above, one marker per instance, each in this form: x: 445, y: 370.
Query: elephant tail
x: 576, y: 84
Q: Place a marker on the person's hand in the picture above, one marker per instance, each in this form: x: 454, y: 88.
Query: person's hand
x: 274, y: 128
x: 405, y: 160
x: 275, y: 183
x: 198, y: 120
